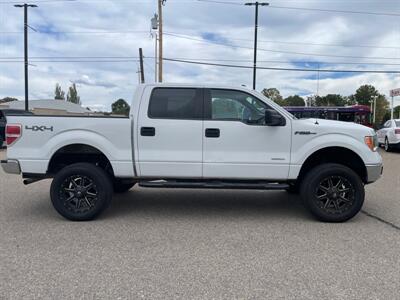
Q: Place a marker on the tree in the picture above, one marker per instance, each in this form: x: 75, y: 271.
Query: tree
x: 59, y: 93
x: 73, y: 95
x: 396, y: 112
x: 382, y: 106
x: 120, y: 107
x: 8, y: 99
x: 365, y: 94
x: 330, y: 100
x: 295, y: 100
x: 274, y: 95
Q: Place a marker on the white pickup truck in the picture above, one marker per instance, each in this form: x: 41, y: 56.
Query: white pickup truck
x: 196, y: 136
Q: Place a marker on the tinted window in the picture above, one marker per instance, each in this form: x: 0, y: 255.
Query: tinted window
x: 397, y: 123
x: 236, y: 106
x: 170, y: 103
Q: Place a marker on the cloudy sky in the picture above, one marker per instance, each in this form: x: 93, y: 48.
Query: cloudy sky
x: 94, y: 43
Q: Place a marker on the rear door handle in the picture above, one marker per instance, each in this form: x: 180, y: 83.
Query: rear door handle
x: 147, y: 131
x: 212, y: 133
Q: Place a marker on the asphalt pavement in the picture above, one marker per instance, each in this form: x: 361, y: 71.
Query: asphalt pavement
x: 199, y: 244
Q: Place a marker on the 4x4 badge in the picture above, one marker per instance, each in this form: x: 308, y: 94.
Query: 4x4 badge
x: 39, y: 128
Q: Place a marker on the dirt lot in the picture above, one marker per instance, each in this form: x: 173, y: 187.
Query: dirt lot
x: 199, y: 244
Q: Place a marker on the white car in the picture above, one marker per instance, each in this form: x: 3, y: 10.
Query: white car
x: 389, y: 135
x: 195, y: 136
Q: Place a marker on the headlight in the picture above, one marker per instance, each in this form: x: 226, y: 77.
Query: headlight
x: 371, y: 142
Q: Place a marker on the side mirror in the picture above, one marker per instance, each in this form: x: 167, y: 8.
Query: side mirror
x: 273, y: 118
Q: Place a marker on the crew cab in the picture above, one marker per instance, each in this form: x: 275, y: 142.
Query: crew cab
x: 195, y: 136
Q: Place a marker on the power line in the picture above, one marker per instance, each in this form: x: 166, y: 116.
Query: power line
x: 311, y: 9
x: 230, y: 38
x: 135, y: 58
x: 278, y: 51
x: 282, y: 69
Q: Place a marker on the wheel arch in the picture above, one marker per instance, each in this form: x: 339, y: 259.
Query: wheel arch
x: 78, y: 153
x: 334, y: 154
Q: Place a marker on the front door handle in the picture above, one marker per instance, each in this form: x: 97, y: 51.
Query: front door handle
x: 212, y: 133
x: 147, y: 131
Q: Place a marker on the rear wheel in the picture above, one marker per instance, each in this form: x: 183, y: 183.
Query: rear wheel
x: 80, y: 192
x: 387, y: 145
x: 333, y: 192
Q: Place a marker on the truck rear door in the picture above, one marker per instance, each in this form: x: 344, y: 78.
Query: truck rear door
x: 169, y: 132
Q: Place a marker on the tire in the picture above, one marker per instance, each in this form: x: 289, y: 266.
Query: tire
x: 387, y: 145
x: 121, y: 186
x: 80, y: 192
x: 333, y: 192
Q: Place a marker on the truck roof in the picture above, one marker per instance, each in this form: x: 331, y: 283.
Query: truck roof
x: 196, y: 85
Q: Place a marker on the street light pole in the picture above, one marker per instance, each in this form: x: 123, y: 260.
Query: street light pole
x: 25, y: 6
x: 256, y: 4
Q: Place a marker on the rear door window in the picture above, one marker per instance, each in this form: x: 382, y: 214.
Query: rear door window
x: 176, y: 103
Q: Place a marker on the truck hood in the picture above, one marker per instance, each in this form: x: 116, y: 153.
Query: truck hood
x: 322, y: 126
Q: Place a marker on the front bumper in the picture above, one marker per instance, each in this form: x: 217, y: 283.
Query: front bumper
x: 11, y: 166
x: 374, y: 172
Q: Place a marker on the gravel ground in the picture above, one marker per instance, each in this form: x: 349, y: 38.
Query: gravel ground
x: 199, y: 244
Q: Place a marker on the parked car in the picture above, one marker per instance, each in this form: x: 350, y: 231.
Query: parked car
x: 180, y: 136
x: 3, y: 113
x: 389, y: 135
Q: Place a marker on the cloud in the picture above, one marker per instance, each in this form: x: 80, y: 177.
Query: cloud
x: 86, y: 80
x: 76, y: 33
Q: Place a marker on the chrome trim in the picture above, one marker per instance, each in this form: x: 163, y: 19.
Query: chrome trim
x: 11, y: 166
x: 374, y: 172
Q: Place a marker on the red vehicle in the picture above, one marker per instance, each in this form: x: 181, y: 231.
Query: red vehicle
x: 360, y: 114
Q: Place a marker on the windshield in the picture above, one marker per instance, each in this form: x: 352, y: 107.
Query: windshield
x: 397, y: 123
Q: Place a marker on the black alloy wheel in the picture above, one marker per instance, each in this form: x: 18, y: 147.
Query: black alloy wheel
x: 333, y: 192
x: 80, y: 192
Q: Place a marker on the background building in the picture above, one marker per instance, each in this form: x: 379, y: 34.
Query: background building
x: 48, y: 107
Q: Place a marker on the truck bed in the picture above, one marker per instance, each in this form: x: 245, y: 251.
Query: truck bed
x: 42, y: 136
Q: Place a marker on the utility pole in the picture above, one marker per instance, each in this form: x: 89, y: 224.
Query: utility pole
x: 256, y: 4
x: 141, y: 65
x: 160, y: 40
x: 154, y: 26
x: 375, y: 97
x: 25, y: 6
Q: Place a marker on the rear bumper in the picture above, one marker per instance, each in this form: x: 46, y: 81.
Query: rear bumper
x: 11, y: 166
x: 374, y: 172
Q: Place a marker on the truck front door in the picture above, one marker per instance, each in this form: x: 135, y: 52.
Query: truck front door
x: 169, y: 133
x: 237, y: 143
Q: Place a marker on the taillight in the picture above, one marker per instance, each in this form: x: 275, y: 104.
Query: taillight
x: 13, y: 133
x: 397, y: 131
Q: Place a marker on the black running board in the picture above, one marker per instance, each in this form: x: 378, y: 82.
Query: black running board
x: 260, y: 185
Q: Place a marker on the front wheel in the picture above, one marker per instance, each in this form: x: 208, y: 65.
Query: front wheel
x: 333, y: 193
x: 80, y: 192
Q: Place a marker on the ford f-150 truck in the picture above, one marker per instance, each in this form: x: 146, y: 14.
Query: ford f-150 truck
x: 195, y: 136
